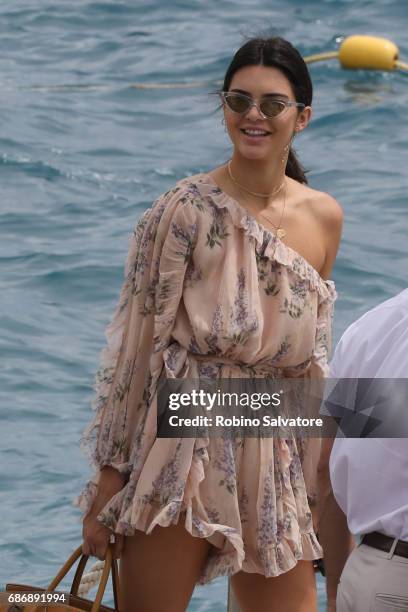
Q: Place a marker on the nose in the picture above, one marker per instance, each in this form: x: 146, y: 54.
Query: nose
x: 254, y: 112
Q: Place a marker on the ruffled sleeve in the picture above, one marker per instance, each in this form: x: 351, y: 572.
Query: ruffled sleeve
x: 140, y: 330
x: 323, y: 337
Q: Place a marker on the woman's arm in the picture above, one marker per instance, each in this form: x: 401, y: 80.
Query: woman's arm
x: 110, y: 482
x: 137, y: 336
x: 95, y: 535
x: 331, y: 215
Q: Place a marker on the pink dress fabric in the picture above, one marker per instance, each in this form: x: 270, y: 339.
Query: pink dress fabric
x: 208, y: 291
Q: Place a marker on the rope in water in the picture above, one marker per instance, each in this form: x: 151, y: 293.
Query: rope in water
x: 401, y: 65
x: 319, y: 57
x: 355, y: 53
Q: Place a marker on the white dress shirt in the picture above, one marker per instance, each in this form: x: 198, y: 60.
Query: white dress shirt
x: 370, y: 475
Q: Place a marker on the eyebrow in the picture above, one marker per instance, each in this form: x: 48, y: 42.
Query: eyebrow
x: 272, y: 94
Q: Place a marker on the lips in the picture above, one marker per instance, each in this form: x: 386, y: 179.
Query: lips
x: 253, y: 134
x: 255, y: 131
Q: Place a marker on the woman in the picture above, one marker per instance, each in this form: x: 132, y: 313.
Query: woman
x: 224, y: 279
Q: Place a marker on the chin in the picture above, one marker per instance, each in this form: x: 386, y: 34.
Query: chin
x: 252, y: 152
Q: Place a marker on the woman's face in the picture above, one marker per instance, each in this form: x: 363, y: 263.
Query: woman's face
x: 257, y: 82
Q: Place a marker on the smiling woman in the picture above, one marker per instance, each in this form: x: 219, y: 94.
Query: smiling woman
x: 266, y: 99
x: 225, y: 278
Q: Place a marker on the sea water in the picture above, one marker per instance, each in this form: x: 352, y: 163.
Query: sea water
x: 83, y: 153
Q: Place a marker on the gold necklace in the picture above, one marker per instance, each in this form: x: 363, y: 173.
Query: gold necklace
x: 259, y: 195
x: 280, y: 232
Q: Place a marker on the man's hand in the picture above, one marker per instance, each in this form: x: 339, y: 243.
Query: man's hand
x: 334, y: 535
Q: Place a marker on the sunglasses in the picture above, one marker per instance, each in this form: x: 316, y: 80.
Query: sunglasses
x: 268, y: 107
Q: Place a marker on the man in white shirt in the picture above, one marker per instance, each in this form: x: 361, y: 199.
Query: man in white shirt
x: 369, y: 478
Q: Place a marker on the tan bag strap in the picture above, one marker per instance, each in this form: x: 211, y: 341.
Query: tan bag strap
x: 67, y: 566
x: 115, y: 578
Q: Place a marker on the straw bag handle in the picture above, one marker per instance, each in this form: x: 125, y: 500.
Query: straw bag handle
x: 67, y: 566
x: 115, y: 578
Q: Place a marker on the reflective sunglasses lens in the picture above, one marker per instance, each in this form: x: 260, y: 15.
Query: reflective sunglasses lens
x: 237, y: 103
x: 272, y: 108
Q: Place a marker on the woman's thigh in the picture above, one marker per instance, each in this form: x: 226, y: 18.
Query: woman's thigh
x: 293, y: 591
x: 159, y: 571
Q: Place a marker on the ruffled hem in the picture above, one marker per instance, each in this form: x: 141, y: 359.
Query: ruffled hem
x: 86, y: 497
x: 309, y: 549
x: 144, y: 515
x: 267, y: 243
x: 127, y: 511
x: 227, y: 556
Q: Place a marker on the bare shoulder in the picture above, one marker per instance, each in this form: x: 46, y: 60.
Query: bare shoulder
x: 323, y: 206
x: 327, y: 215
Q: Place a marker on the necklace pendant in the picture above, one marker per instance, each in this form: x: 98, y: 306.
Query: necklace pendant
x: 280, y: 233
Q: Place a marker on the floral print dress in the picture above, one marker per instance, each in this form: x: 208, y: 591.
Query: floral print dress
x: 208, y: 291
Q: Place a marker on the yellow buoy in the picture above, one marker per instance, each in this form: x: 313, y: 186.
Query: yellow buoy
x: 368, y: 53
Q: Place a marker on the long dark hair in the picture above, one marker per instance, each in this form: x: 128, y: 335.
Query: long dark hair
x: 278, y: 53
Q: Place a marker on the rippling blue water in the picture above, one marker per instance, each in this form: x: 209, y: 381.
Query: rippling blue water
x: 82, y: 154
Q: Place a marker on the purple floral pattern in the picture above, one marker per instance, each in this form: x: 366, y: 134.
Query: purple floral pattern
x: 209, y: 293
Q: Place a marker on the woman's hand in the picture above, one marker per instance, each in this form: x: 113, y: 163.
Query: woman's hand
x: 96, y: 536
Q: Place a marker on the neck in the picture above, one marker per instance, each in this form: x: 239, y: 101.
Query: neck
x: 258, y: 176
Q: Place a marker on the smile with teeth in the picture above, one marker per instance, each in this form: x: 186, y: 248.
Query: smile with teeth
x: 255, y: 132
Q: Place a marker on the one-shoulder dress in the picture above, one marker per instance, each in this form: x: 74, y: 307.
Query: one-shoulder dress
x: 209, y: 292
